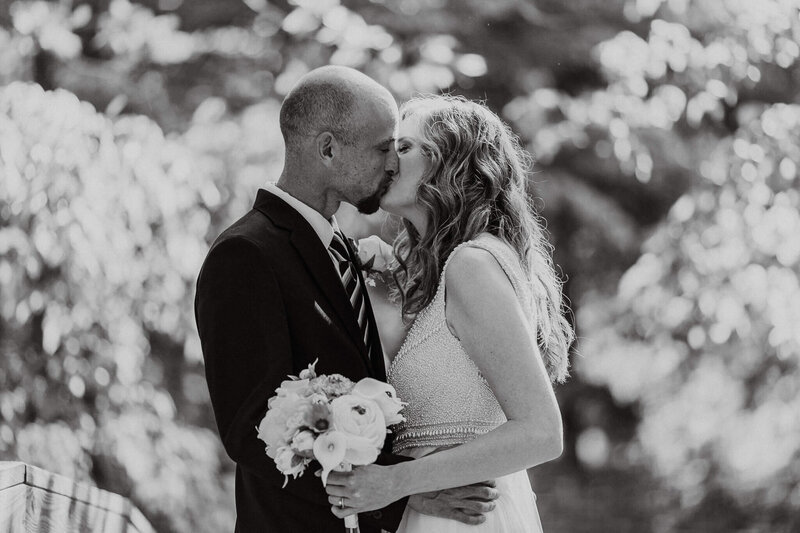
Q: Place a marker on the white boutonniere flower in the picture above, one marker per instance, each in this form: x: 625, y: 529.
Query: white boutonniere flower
x: 375, y: 257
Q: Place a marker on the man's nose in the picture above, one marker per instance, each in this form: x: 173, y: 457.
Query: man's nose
x: 392, y: 162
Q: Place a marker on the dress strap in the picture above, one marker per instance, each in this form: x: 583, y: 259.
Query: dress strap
x: 452, y: 254
x: 505, y: 257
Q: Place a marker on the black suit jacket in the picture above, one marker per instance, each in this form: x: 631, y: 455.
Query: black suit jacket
x: 268, y: 303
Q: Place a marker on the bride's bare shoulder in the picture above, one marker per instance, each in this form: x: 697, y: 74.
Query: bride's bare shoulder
x: 474, y: 273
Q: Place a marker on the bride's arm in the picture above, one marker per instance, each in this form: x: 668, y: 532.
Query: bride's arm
x: 483, y: 312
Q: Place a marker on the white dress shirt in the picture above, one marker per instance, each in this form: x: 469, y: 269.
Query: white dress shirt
x: 322, y: 227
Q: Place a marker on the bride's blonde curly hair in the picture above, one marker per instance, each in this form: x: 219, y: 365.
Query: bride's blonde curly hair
x: 476, y: 183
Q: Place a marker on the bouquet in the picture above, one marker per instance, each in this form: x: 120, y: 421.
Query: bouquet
x: 328, y: 418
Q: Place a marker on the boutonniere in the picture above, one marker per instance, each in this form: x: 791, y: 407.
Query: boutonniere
x: 375, y: 257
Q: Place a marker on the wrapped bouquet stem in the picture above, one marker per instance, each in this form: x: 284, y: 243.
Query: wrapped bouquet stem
x: 350, y: 521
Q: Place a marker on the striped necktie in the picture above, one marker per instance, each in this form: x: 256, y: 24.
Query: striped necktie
x: 349, y: 277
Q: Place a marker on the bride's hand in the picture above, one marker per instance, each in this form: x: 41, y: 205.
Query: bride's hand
x: 365, y: 488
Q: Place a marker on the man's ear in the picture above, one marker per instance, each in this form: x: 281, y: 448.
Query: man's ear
x: 327, y: 148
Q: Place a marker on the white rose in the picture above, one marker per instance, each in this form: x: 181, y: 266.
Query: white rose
x: 374, y: 247
x: 288, y: 463
x: 303, y: 443
x: 274, y: 428
x: 301, y: 417
x: 293, y: 386
x: 317, y: 397
x: 362, y: 422
x: 384, y: 395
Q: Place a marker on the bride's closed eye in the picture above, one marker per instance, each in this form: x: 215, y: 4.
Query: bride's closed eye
x: 403, y: 148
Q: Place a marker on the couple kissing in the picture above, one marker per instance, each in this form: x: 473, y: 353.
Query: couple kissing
x: 488, y: 337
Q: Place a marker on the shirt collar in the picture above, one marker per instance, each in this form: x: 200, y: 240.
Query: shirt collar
x: 322, y: 227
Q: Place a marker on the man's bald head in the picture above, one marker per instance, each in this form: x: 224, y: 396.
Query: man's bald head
x: 333, y: 99
x: 339, y: 127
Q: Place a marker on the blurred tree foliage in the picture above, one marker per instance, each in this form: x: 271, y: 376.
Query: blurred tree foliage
x: 702, y: 333
x: 666, y: 133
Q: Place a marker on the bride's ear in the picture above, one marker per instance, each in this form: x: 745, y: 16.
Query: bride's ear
x: 327, y: 148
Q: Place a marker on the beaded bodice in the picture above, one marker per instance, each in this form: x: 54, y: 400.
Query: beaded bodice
x: 449, y: 401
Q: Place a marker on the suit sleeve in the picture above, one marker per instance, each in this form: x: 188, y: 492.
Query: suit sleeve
x: 247, y: 351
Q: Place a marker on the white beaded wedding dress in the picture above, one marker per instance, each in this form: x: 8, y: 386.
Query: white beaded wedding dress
x: 450, y: 403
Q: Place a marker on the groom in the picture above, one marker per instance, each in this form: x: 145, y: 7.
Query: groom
x: 278, y: 290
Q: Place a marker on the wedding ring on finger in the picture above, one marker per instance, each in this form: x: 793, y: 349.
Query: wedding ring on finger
x: 341, y: 502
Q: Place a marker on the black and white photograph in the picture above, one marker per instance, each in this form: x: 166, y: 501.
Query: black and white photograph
x: 399, y: 266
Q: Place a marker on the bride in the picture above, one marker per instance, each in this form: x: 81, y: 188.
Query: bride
x: 489, y: 334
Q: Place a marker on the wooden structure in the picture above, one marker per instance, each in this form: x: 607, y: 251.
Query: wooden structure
x: 34, y: 500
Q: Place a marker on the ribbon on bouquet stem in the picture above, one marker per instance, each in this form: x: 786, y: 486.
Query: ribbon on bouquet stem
x: 351, y: 521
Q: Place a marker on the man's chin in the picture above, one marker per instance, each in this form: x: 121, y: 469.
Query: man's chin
x: 369, y: 205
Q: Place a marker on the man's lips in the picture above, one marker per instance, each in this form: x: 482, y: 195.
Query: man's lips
x: 386, y: 184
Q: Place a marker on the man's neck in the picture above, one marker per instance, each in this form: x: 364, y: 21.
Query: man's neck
x: 320, y: 198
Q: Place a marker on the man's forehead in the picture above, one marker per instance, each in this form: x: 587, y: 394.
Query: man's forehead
x: 381, y: 128
x: 377, y: 120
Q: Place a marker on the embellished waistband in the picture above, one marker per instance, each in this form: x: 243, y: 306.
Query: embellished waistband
x: 440, y: 434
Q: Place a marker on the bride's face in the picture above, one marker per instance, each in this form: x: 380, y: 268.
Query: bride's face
x: 401, y: 198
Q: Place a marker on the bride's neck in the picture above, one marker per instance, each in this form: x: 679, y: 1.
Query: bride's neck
x: 419, y: 222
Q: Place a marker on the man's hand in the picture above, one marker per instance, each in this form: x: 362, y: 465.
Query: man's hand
x: 468, y: 504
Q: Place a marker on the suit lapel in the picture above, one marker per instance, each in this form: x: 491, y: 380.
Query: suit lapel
x: 317, y: 261
x: 319, y: 264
